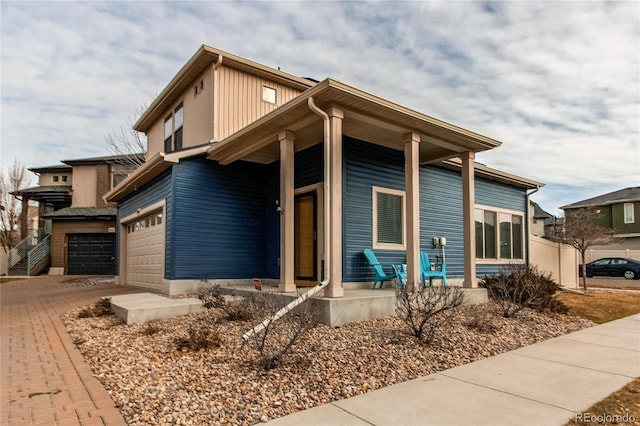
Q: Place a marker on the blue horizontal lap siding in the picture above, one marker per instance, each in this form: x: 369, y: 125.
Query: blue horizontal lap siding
x: 366, y: 165
x: 219, y: 229
x: 155, y: 191
x: 441, y: 213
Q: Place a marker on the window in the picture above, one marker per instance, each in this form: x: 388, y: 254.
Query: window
x: 499, y: 234
x: 388, y: 218
x: 198, y: 88
x: 629, y: 214
x: 55, y: 178
x: 269, y: 94
x: 65, y: 178
x: 173, y: 130
x: 119, y: 172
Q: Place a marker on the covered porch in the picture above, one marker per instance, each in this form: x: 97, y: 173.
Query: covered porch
x: 325, y: 114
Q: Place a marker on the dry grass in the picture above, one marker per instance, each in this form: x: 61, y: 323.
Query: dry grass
x: 624, y: 403
x: 602, y: 307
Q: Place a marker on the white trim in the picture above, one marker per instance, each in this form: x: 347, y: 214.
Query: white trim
x: 374, y: 216
x: 143, y: 212
x: 633, y: 214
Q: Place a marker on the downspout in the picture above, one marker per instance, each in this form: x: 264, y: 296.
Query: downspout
x: 216, y: 101
x: 327, y: 230
x: 528, y: 225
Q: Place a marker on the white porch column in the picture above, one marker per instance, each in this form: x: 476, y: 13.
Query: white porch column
x: 287, y: 203
x: 412, y: 203
x: 334, y: 251
x: 469, y: 229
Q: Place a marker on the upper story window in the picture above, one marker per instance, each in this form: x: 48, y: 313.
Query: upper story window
x: 173, y: 130
x: 269, y: 94
x: 64, y: 178
x: 388, y: 218
x: 198, y: 88
x: 629, y: 214
x: 119, y: 172
x: 499, y: 234
x: 55, y: 178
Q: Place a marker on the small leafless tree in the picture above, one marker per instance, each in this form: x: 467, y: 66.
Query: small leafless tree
x: 127, y: 143
x: 11, y: 180
x: 582, y: 231
x: 277, y: 337
x: 422, y: 309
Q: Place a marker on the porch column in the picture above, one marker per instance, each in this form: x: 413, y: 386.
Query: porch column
x: 469, y: 229
x: 334, y: 251
x: 287, y: 214
x: 412, y: 214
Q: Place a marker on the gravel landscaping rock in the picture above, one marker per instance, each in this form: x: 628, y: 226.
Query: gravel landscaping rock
x: 154, y: 382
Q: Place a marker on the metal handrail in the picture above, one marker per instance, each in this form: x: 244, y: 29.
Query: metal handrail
x: 39, y: 253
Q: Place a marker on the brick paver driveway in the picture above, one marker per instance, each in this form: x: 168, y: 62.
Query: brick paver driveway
x: 43, y: 378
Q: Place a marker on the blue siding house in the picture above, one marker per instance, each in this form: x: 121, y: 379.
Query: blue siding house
x: 295, y: 195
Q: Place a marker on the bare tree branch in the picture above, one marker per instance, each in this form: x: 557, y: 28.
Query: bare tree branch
x: 11, y: 180
x: 581, y: 231
x: 128, y: 144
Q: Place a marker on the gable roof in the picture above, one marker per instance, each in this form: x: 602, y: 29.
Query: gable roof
x: 625, y: 195
x: 204, y: 57
x: 539, y: 212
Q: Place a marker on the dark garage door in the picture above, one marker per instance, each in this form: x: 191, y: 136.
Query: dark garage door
x: 91, y: 254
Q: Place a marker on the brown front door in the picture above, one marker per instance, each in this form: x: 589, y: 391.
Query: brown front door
x: 305, y: 257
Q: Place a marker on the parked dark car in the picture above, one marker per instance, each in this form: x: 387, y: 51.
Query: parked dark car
x: 613, y: 267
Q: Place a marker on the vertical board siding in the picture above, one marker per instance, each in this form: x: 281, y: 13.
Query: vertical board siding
x: 241, y: 99
x: 219, y: 229
x: 85, y: 183
x: 617, y: 219
x: 157, y: 190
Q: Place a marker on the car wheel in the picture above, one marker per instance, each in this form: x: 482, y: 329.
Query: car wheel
x: 629, y: 275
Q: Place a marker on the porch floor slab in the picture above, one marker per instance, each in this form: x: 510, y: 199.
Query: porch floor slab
x: 145, y: 307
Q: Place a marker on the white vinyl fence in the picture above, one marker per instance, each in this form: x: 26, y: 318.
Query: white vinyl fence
x: 593, y: 254
x: 559, y: 259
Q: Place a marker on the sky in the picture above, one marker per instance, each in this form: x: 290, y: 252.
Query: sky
x: 557, y: 82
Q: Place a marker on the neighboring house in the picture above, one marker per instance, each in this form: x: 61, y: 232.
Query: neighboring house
x: 618, y: 210
x: 72, y: 210
x: 255, y: 173
x: 542, y: 223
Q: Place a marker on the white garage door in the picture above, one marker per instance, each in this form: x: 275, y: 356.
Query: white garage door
x: 145, y: 251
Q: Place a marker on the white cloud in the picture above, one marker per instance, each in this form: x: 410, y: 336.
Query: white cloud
x: 557, y: 82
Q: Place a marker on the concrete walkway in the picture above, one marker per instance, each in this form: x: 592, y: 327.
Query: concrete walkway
x: 543, y: 384
x: 45, y: 381
x: 43, y: 378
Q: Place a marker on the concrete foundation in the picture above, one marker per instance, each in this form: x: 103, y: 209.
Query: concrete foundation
x: 358, y: 304
x: 145, y: 307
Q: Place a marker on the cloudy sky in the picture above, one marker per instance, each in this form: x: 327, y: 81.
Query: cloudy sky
x: 557, y: 82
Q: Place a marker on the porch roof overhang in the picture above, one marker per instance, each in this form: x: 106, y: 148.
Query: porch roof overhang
x: 149, y: 170
x: 366, y: 117
x: 54, y: 194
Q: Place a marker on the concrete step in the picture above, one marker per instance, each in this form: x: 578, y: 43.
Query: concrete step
x: 144, y: 307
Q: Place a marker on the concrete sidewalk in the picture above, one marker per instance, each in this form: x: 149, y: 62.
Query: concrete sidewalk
x: 543, y: 384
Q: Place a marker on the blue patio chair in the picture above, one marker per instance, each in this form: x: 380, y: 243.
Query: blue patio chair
x: 427, y: 274
x: 381, y: 276
x: 400, y: 271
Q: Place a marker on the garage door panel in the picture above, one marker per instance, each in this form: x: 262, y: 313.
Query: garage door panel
x: 145, y: 253
x: 91, y: 254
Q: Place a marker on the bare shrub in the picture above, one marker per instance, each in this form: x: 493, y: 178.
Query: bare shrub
x: 423, y: 309
x: 277, y: 337
x: 235, y: 310
x: 517, y: 287
x: 482, y: 319
x: 203, y: 337
x: 100, y: 309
